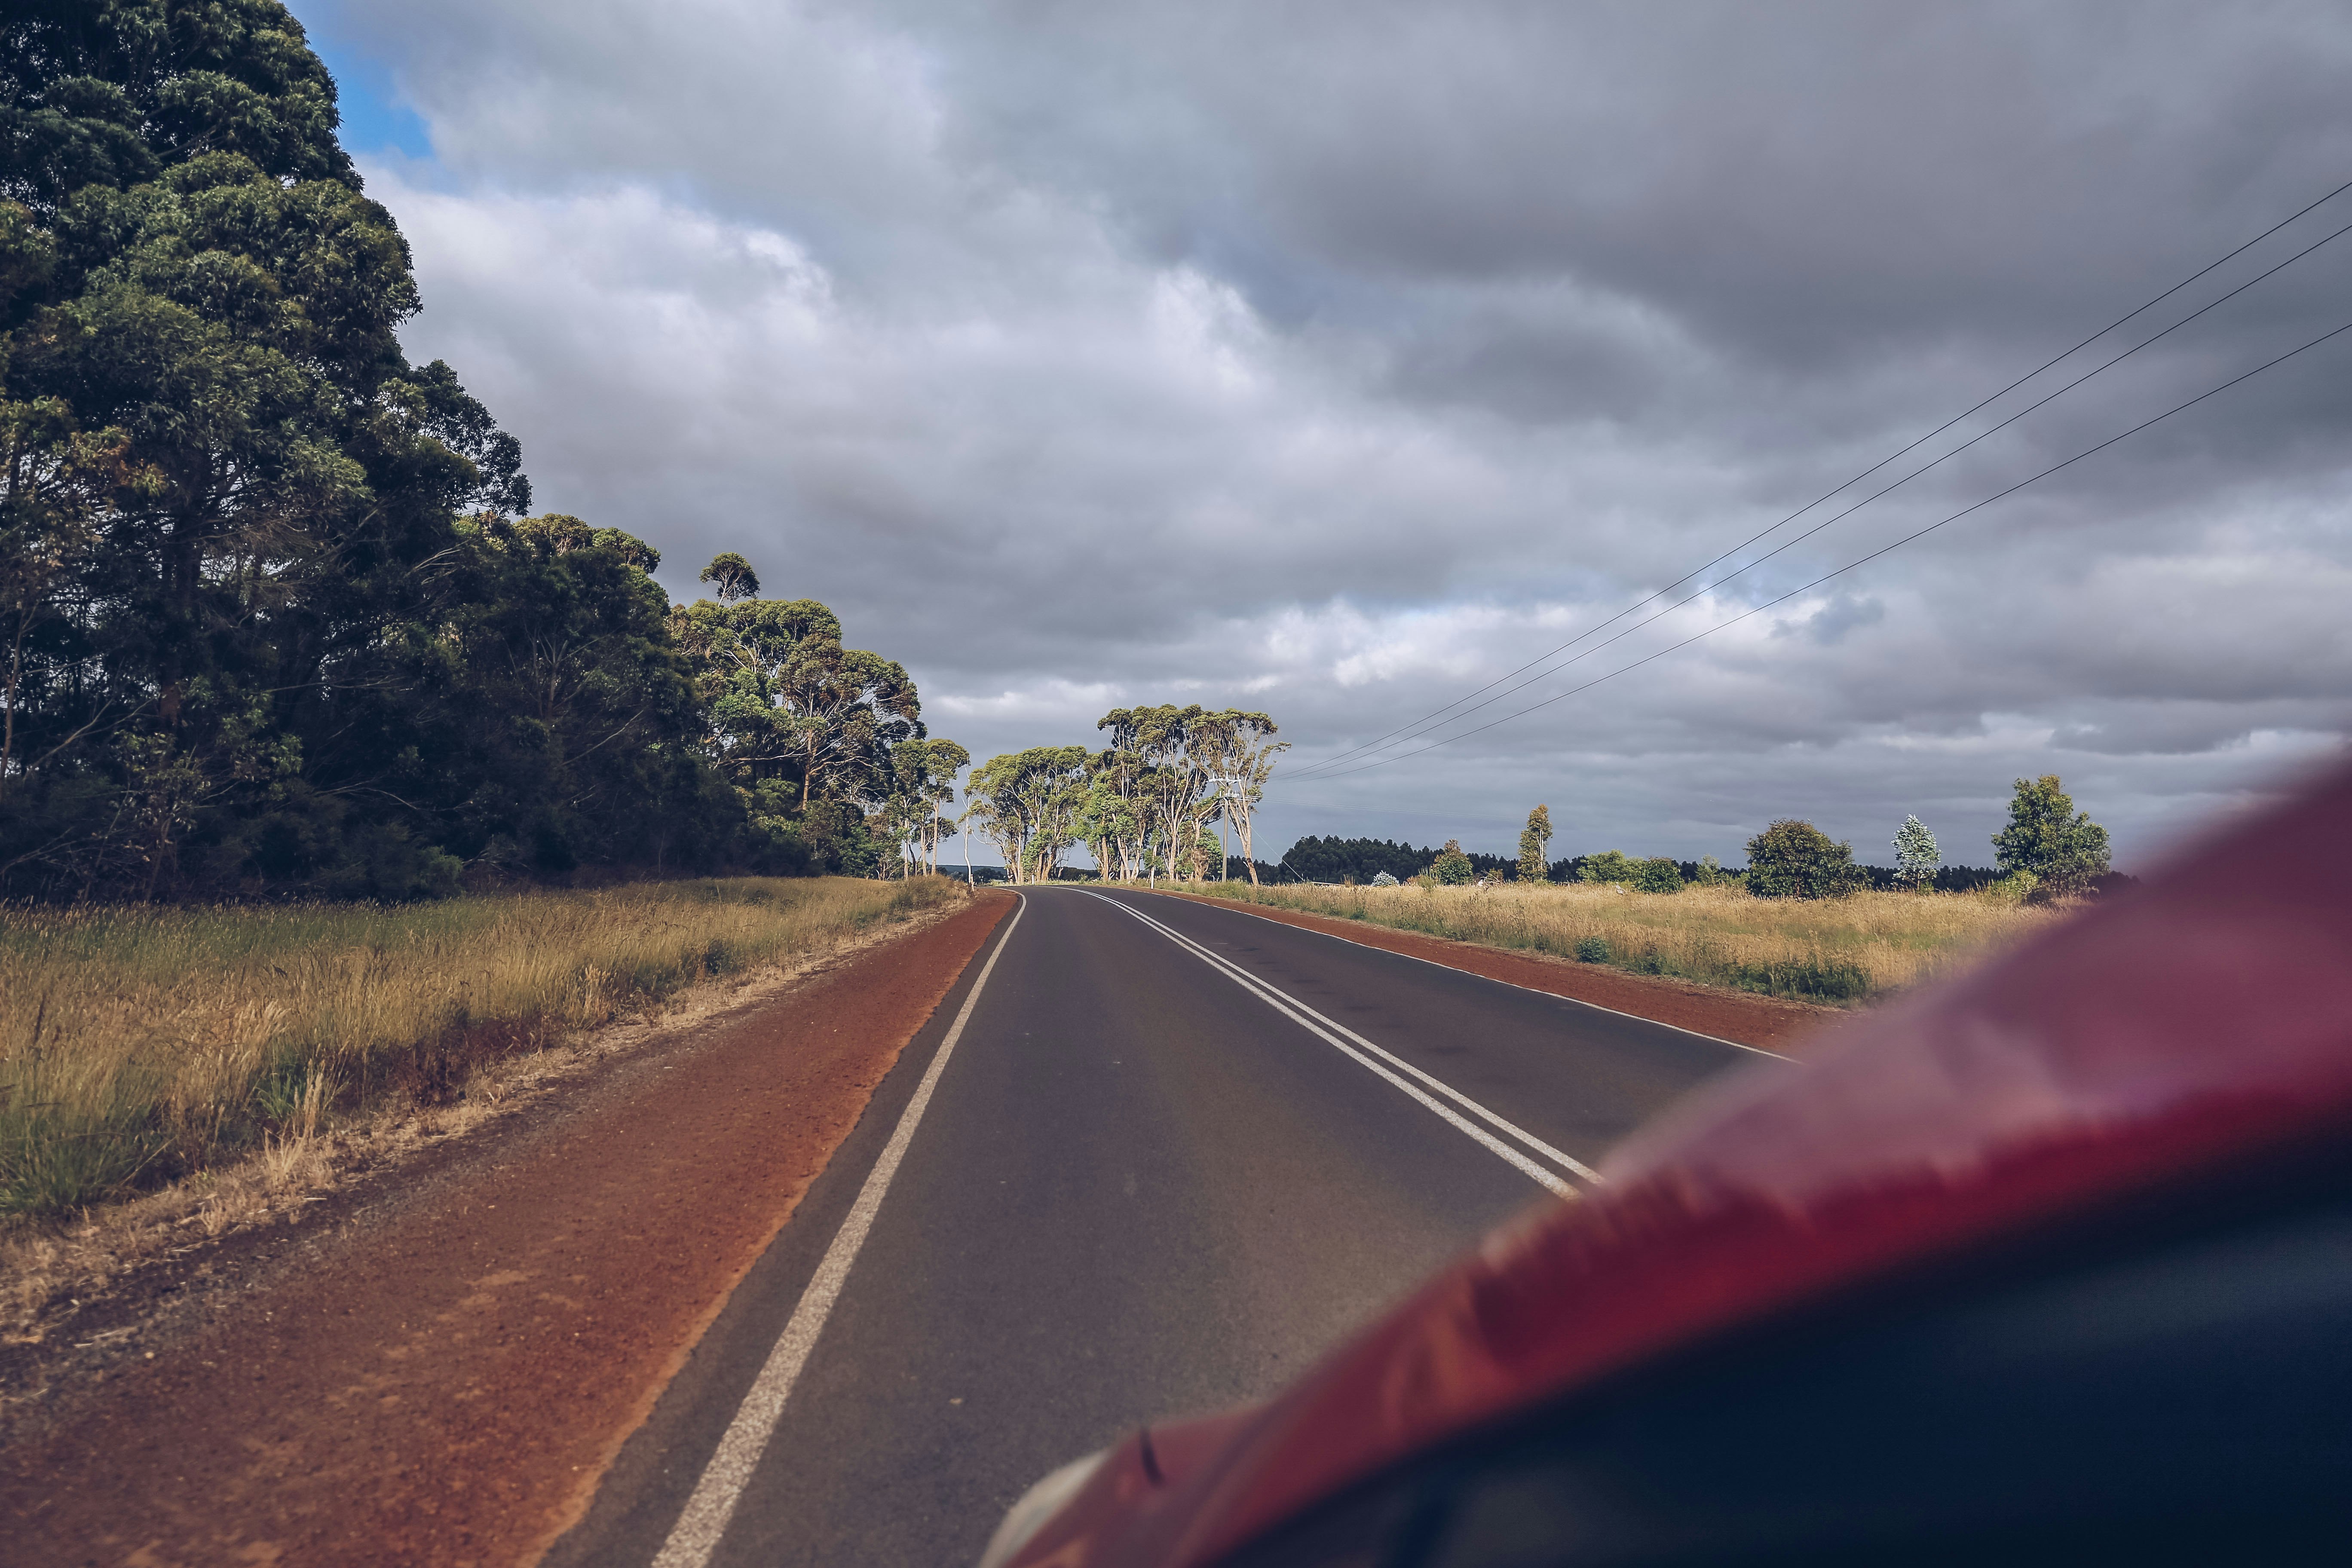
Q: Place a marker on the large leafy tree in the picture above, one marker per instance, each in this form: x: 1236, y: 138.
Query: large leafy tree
x: 1237, y: 752
x: 1029, y: 804
x: 1793, y: 859
x: 923, y: 775
x: 787, y: 700
x: 270, y: 617
x: 2065, y: 851
x: 1178, y: 770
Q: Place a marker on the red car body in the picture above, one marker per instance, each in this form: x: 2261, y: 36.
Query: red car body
x: 1817, y: 1268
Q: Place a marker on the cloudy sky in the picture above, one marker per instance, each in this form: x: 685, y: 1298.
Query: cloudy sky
x: 1338, y: 359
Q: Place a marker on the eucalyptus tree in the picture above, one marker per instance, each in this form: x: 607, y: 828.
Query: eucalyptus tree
x: 1116, y: 819
x: 786, y: 700
x: 1237, y: 753
x: 1177, y: 785
x: 1533, y: 867
x: 1107, y: 822
x: 923, y: 777
x: 1028, y: 803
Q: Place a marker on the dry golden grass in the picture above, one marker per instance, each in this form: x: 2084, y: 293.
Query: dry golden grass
x: 1833, y: 950
x: 137, y: 1043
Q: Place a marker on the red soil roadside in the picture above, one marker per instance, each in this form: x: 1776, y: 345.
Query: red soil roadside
x: 1769, y: 1023
x: 449, y: 1388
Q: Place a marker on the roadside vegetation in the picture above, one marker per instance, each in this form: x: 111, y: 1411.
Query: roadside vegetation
x: 1838, y: 951
x: 141, y: 1044
x: 277, y: 619
x: 1801, y: 919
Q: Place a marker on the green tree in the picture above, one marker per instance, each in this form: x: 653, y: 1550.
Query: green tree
x: 923, y: 774
x: 221, y: 460
x: 1237, y: 753
x: 1179, y: 790
x: 1792, y: 859
x: 1657, y: 875
x: 575, y: 726
x: 785, y: 697
x: 2062, y: 847
x: 1609, y: 866
x: 1452, y: 867
x: 1028, y: 805
x: 731, y: 577
x: 1916, y: 858
x: 1532, y: 840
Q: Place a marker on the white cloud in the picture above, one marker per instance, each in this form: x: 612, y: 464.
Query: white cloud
x: 1343, y: 357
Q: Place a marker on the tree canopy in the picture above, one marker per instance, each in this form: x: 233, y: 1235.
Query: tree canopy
x: 275, y: 613
x: 1792, y: 859
x: 2063, y: 849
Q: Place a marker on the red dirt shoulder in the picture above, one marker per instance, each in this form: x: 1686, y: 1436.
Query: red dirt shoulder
x: 449, y: 1383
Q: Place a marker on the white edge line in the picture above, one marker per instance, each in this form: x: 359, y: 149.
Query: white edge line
x: 1312, y: 1021
x: 709, y: 1510
x: 1532, y: 991
x: 1440, y: 1085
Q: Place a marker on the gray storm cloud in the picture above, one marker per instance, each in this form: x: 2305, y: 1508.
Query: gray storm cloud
x: 1336, y: 360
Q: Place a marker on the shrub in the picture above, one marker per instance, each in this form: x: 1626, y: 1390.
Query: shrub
x: 2014, y: 888
x: 1609, y: 866
x: 1657, y: 875
x: 1792, y: 859
x: 1452, y: 867
x: 1592, y: 950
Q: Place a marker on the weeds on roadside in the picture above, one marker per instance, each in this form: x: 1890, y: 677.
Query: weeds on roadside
x: 1834, y: 951
x: 142, y: 1043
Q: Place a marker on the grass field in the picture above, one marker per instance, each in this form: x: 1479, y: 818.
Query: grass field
x: 140, y: 1044
x: 1837, y: 950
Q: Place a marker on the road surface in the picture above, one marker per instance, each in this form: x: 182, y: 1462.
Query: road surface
x: 1175, y: 1152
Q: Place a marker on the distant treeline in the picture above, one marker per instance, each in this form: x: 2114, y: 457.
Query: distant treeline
x: 1314, y: 859
x: 1336, y: 860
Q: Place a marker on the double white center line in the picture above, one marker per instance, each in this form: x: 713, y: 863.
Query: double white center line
x: 1428, y: 1091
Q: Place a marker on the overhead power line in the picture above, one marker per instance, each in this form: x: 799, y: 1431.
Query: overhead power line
x: 1407, y: 730
x: 1418, y: 729
x: 1851, y: 566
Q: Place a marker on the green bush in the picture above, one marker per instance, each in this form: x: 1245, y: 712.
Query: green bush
x: 1452, y: 867
x: 1609, y: 866
x: 1792, y: 859
x: 1657, y: 875
x: 2016, y: 888
x: 1592, y: 950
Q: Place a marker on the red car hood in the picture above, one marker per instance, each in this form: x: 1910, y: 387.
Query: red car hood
x: 2181, y: 1028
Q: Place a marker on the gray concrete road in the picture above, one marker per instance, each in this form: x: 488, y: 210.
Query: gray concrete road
x: 1177, y: 1153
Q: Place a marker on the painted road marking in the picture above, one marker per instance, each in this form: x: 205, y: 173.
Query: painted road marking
x: 696, y: 1534
x: 1362, y: 1051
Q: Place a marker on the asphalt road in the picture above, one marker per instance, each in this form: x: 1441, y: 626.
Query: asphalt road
x: 1170, y: 1161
